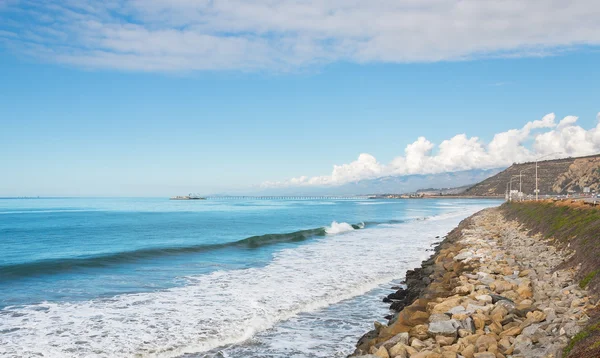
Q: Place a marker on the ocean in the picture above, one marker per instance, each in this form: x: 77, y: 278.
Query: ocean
x: 149, y: 277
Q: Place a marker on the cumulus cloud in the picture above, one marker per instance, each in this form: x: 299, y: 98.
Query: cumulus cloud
x: 537, y: 138
x: 167, y: 35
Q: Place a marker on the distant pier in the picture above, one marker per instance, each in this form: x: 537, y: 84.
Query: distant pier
x: 326, y: 197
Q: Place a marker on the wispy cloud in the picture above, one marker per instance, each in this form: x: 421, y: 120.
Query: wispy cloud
x: 463, y: 153
x: 167, y: 35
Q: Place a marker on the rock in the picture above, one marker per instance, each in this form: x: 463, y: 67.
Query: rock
x: 444, y: 340
x: 518, y: 304
x: 363, y: 342
x: 457, y: 310
x: 485, y: 299
x: 479, y: 321
x: 401, y: 338
x: 484, y: 342
x: 500, y: 286
x: 418, y: 317
x: 419, y: 331
x: 485, y: 278
x: 468, y: 352
x: 463, y: 256
x: 462, y: 333
x: 398, y: 295
x: 522, y: 346
x: 398, y: 351
x: 525, y: 303
x: 463, y: 290
x: 504, y: 345
x: 495, y: 327
x: 438, y: 317
x: 536, y: 316
x: 524, y: 292
x: 534, y: 333
x: 550, y: 314
x: 498, y: 313
x: 513, y: 331
x: 508, y: 319
x: 459, y: 316
x: 509, y: 305
x: 382, y: 353
x: 446, y: 305
x: 426, y: 354
x: 484, y: 355
x: 471, y: 308
x: 411, y: 351
x: 444, y: 328
x: 467, y: 324
x: 417, y: 344
x: 571, y: 329
x: 498, y: 298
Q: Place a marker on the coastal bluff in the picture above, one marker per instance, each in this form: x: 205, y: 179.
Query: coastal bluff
x: 504, y: 283
x: 556, y: 176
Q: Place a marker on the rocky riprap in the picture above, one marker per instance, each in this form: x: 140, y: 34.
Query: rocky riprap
x: 490, y: 291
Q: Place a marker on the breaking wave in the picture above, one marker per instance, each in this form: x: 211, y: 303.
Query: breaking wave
x: 53, y: 266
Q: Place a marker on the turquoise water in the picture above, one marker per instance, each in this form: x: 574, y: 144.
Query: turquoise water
x: 121, y: 276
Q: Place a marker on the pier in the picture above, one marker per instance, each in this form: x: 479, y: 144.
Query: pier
x: 285, y: 197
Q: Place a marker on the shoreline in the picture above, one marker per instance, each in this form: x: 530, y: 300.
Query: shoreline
x: 488, y: 291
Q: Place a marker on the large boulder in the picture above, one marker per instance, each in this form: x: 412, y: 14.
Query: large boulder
x: 399, y: 351
x: 443, y: 328
x: 446, y: 305
x: 399, y: 338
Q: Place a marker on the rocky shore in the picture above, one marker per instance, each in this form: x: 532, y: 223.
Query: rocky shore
x: 489, y: 291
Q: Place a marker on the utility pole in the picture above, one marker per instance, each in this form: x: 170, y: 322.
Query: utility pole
x: 510, y: 184
x: 536, y: 181
x: 536, y: 172
x: 521, y: 181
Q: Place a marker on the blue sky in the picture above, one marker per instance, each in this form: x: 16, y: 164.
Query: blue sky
x: 70, y: 127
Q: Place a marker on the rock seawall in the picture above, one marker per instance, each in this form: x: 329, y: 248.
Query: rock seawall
x: 489, y: 291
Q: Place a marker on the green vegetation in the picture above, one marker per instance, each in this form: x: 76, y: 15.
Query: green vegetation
x: 587, y: 332
x: 576, y: 339
x: 577, y: 227
x: 558, y: 221
x: 586, y: 280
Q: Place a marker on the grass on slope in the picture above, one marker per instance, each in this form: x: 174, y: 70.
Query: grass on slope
x: 576, y: 226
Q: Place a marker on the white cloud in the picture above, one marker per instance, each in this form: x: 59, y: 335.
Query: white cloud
x: 166, y: 35
x: 534, y: 139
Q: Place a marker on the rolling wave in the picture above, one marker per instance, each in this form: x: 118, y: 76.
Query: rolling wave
x: 53, y: 266
x: 225, y: 307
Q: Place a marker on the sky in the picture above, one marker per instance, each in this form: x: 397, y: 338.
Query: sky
x: 160, y: 98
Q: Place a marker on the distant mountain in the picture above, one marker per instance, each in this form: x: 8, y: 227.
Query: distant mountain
x: 559, y: 176
x: 390, y: 184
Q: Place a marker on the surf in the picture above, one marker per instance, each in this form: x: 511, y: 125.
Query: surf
x: 65, y: 264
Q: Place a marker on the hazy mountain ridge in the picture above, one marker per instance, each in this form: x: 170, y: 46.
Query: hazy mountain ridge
x: 389, y: 184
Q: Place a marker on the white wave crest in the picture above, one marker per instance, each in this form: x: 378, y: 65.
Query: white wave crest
x: 338, y: 228
x: 223, y: 307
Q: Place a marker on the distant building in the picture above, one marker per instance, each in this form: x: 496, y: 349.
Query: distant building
x: 586, y: 189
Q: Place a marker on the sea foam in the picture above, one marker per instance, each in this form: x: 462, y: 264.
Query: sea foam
x: 224, y: 307
x: 338, y: 228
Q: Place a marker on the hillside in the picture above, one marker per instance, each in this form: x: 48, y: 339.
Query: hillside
x: 559, y: 176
